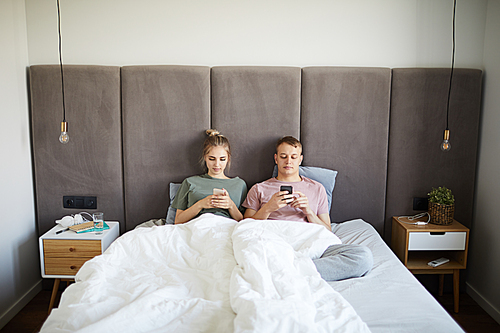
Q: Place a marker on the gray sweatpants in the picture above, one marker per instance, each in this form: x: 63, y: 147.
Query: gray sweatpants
x: 344, y: 261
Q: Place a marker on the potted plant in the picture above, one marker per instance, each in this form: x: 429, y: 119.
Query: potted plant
x: 441, y: 206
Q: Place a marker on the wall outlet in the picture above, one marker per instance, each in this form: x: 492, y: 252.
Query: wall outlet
x: 79, y: 202
x: 420, y: 203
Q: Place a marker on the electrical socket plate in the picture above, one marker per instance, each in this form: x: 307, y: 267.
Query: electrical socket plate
x: 420, y: 203
x: 79, y: 202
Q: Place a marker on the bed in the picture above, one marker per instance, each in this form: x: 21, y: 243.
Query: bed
x: 215, y: 275
x: 135, y: 130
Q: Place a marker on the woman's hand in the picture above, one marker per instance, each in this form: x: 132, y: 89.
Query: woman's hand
x: 206, y: 202
x: 210, y: 201
x: 222, y: 201
x: 225, y: 202
x: 183, y: 216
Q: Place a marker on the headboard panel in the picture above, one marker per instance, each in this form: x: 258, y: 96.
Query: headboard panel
x: 418, y: 119
x: 90, y: 164
x: 386, y: 153
x: 345, y: 127
x: 254, y: 107
x: 166, y: 110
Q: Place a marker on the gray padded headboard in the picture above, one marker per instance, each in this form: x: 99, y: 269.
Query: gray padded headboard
x: 165, y: 110
x: 418, y: 119
x: 91, y: 163
x: 345, y: 127
x: 380, y: 128
x: 254, y: 107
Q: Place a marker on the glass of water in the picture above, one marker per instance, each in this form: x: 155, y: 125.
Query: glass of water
x: 98, y: 222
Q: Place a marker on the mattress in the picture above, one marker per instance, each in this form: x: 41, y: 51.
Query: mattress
x: 389, y: 298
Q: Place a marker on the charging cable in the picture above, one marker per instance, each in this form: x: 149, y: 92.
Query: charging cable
x: 412, y: 219
x: 86, y: 219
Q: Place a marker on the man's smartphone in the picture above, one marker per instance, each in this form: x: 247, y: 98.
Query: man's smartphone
x: 289, y: 189
x: 286, y: 188
x: 218, y: 191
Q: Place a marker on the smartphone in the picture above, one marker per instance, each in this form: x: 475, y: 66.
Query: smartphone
x: 286, y: 188
x: 218, y: 191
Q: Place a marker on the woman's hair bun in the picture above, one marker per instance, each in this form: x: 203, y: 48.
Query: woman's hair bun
x: 215, y: 139
x: 212, y: 132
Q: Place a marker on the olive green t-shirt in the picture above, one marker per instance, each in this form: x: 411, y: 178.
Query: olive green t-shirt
x: 196, y: 188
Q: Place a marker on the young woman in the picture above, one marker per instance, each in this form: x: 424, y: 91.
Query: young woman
x: 196, y: 194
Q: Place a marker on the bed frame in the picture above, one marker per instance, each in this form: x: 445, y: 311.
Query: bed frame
x: 135, y: 129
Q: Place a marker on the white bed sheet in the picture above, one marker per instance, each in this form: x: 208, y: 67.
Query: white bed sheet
x: 389, y: 298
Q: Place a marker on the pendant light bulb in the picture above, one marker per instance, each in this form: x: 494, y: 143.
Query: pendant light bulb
x: 446, y: 145
x: 64, y: 137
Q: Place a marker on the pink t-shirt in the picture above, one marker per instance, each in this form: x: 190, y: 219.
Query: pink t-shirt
x: 261, y: 193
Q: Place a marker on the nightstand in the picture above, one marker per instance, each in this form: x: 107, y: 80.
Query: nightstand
x: 62, y: 255
x: 416, y: 245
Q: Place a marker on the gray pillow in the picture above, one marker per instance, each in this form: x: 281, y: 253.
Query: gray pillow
x: 324, y: 176
x: 171, y: 211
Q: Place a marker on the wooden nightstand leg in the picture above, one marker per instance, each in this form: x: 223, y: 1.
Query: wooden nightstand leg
x: 456, y: 289
x: 54, y: 294
x: 441, y: 284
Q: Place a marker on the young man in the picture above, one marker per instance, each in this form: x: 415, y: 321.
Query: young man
x: 307, y: 203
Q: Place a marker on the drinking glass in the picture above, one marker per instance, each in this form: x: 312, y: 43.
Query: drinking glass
x: 98, y: 222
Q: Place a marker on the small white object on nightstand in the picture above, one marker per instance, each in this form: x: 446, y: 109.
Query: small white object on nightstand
x: 438, y: 262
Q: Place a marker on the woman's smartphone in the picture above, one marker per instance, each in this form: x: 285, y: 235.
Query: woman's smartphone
x: 218, y: 191
x: 286, y: 188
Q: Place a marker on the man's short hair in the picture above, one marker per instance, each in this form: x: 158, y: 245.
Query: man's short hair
x: 290, y: 140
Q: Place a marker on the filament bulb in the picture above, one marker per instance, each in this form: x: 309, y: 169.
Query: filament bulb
x: 446, y: 145
x: 64, y: 137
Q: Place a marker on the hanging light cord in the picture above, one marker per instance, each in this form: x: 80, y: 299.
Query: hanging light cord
x: 60, y: 60
x: 452, y: 63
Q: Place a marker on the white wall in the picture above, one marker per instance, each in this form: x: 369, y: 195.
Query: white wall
x: 389, y: 33
x: 484, y: 257
x: 19, y: 261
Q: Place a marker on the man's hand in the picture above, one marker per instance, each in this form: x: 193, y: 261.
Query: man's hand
x: 278, y: 200
x: 301, y: 202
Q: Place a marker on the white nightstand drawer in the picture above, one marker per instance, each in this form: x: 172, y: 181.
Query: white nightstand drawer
x: 430, y: 241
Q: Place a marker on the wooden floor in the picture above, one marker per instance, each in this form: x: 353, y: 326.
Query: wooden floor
x: 472, y: 318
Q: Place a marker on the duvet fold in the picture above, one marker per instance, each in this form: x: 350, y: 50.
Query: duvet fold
x: 209, y: 275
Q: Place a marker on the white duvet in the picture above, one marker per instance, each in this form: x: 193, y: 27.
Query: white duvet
x: 209, y: 275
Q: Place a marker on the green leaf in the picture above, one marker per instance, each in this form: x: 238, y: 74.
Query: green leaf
x: 441, y: 195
